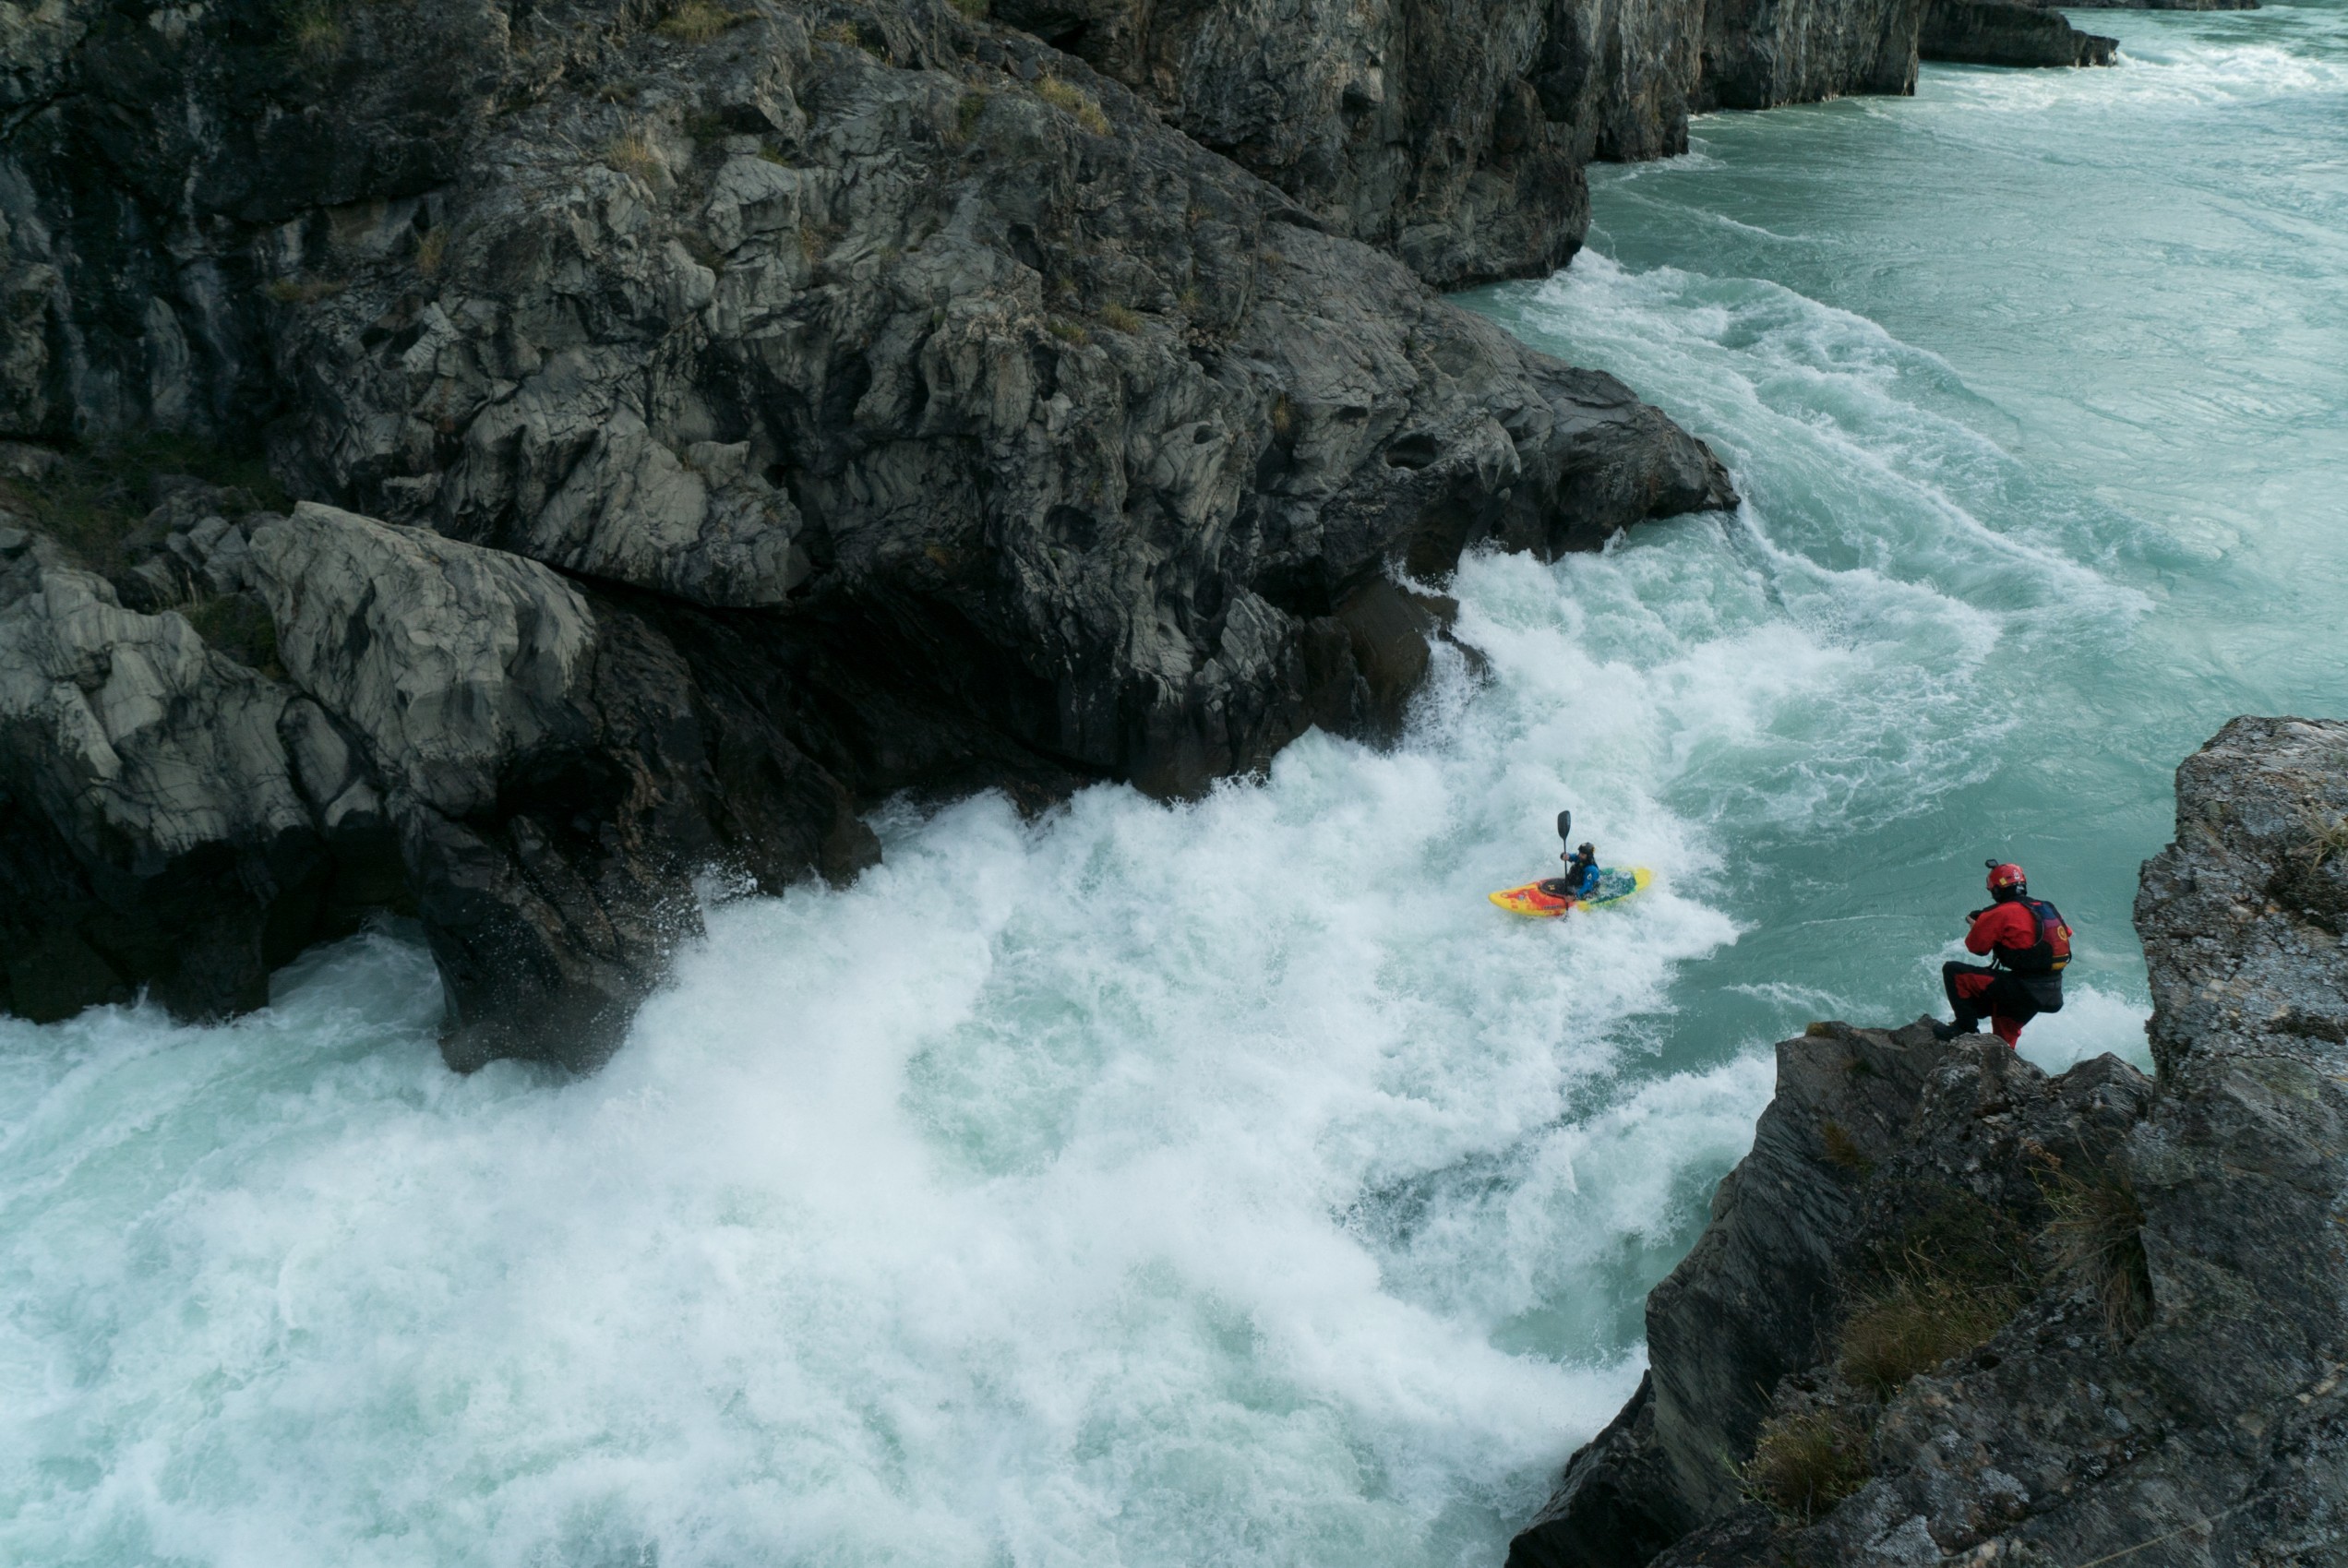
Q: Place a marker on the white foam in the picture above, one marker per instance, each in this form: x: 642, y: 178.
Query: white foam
x: 2155, y: 68
x: 2094, y: 1021
x: 1006, y: 1206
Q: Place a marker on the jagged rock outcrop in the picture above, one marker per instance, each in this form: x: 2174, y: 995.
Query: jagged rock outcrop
x: 807, y: 403
x: 1457, y: 135
x: 2006, y: 33
x: 1759, y: 54
x: 150, y: 830
x: 556, y: 771
x: 958, y: 352
x: 897, y: 317
x: 2130, y: 1289
x: 1454, y: 135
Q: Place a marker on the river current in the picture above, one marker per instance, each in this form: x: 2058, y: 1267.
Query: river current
x: 1231, y: 1184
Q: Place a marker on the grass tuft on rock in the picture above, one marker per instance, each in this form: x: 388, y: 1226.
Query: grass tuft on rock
x: 98, y: 496
x: 966, y: 114
x: 314, y: 33
x: 634, y: 156
x: 304, y: 291
x: 1919, y: 1319
x: 1073, y: 100
x: 1119, y: 318
x: 1841, y: 1148
x: 1803, y: 1464
x: 2325, y: 840
x: 2096, y: 1238
x: 696, y: 21
x: 432, y: 249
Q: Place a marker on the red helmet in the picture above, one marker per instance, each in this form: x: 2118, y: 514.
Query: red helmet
x: 2005, y: 877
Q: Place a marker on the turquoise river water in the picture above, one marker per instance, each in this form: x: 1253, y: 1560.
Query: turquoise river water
x: 1231, y: 1184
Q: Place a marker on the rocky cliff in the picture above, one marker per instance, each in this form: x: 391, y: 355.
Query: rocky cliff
x: 2001, y: 32
x: 1952, y: 1309
x: 186, y: 191
x: 729, y: 418
x: 1456, y: 133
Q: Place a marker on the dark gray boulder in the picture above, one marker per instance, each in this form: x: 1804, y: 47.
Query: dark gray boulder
x: 554, y: 768
x: 2159, y: 1254
x: 2005, y: 32
x: 151, y: 831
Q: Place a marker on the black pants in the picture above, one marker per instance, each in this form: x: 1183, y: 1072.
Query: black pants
x: 1977, y: 989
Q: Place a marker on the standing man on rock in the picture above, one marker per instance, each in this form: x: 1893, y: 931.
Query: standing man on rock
x: 2028, y: 946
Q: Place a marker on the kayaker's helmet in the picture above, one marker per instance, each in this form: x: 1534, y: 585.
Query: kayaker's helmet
x: 1586, y: 851
x: 2005, y: 880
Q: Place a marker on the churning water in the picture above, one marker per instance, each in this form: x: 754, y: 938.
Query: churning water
x: 1231, y: 1184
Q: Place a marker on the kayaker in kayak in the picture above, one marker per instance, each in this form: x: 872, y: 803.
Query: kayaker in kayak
x: 1581, y: 874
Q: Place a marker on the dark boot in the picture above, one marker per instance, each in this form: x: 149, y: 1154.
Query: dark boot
x: 1950, y: 1030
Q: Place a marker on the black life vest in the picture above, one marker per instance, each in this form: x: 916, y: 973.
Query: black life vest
x: 2052, y: 950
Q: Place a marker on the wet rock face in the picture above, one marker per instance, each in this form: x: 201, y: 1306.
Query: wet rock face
x: 151, y: 833
x: 1999, y: 32
x: 1454, y: 135
x: 533, y: 770
x: 158, y: 161
x: 2156, y: 1350
x: 1759, y: 54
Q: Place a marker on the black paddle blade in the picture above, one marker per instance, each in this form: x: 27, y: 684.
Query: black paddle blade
x: 1565, y: 826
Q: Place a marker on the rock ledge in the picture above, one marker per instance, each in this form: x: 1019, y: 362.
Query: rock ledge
x: 2156, y: 1365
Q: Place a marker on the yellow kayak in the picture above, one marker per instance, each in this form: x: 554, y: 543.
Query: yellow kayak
x: 1614, y: 885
